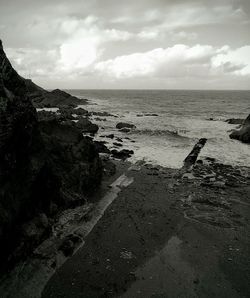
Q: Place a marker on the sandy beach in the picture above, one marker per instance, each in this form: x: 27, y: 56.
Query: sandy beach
x: 164, y: 237
x: 164, y: 234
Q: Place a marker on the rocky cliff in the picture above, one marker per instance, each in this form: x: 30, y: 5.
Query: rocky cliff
x: 56, y: 98
x: 44, y: 166
x: 243, y: 134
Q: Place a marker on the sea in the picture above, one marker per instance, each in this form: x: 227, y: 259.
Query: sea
x: 183, y: 117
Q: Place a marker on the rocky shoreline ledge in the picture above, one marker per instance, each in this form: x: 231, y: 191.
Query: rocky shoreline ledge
x: 57, y: 182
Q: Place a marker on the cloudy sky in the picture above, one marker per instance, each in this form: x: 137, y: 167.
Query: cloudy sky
x: 148, y: 44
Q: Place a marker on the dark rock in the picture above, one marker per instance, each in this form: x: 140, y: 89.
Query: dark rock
x: 117, y: 144
x: 147, y: 114
x: 69, y: 244
x: 193, y: 155
x: 61, y: 98
x: 211, y: 159
x: 123, y: 154
x: 102, y: 114
x: 100, y: 147
x: 109, y: 167
x: 124, y: 125
x: 73, y: 158
x: 125, y: 129
x: 119, y: 139
x: 57, y: 98
x: 243, y: 134
x: 48, y: 116
x: 42, y: 220
x: 30, y: 230
x: 67, y: 247
x: 80, y: 112
x: 111, y: 136
x: 42, y: 98
x: 151, y: 114
x: 87, y: 126
x: 66, y: 113
x: 235, y: 121
x: 100, y: 119
x: 42, y: 164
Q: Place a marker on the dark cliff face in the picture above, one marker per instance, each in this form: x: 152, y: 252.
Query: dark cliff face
x: 43, y: 166
x: 243, y: 134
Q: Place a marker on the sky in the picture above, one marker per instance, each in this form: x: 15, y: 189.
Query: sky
x: 132, y: 44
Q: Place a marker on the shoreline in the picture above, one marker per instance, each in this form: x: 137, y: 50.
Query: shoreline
x: 36, y: 273
x: 70, y: 237
x: 78, y: 217
x: 148, y: 215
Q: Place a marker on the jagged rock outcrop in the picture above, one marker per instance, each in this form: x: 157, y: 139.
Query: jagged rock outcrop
x: 64, y: 116
x: 43, y: 165
x: 57, y: 98
x: 243, y: 134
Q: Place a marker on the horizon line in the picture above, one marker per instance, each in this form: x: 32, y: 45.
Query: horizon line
x: 140, y: 89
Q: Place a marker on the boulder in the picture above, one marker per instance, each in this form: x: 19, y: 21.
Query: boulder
x: 243, y: 134
x: 123, y: 154
x: 80, y: 112
x: 117, y: 144
x: 124, y: 125
x: 87, y: 126
x: 101, y: 147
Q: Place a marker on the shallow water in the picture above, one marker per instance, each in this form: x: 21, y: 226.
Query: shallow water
x: 183, y: 118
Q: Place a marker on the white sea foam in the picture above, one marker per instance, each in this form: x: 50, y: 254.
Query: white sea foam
x: 182, y: 119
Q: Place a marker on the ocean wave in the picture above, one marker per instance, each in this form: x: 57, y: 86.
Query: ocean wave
x: 160, y: 132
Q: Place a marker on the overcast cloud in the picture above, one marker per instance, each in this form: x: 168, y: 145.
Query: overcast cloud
x: 184, y: 44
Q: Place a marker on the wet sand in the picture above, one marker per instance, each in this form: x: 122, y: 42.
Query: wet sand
x: 165, y: 235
